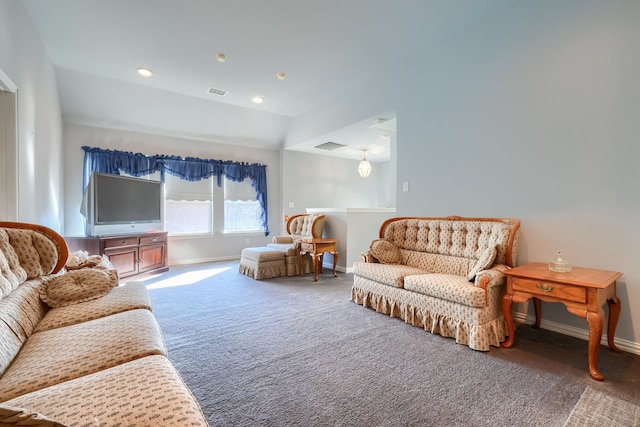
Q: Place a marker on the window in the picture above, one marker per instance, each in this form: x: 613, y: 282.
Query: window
x: 242, y: 210
x: 110, y: 161
x: 188, y: 206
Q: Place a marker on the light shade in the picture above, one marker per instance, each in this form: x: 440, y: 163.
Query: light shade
x: 364, y: 169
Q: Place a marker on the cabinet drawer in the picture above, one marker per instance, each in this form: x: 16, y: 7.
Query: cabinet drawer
x: 145, y: 240
x: 551, y: 289
x: 121, y: 242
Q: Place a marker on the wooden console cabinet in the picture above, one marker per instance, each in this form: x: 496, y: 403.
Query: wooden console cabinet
x: 130, y: 254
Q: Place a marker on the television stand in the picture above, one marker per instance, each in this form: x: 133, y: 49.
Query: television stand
x: 130, y: 254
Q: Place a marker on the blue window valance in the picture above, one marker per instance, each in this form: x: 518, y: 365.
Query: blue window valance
x: 189, y: 168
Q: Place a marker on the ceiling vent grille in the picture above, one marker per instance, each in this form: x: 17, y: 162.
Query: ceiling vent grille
x: 388, y: 125
x: 329, y: 146
x: 218, y: 92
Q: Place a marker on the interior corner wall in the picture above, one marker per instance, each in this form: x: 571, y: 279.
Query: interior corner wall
x: 362, y: 101
x: 533, y: 114
x: 39, y: 170
x: 182, y: 249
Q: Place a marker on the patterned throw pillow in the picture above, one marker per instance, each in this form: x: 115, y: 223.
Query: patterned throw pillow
x: 77, y: 286
x: 485, y: 261
x: 24, y: 417
x: 385, y: 251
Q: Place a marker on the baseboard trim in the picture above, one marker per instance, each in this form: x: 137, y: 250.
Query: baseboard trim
x: 624, y: 345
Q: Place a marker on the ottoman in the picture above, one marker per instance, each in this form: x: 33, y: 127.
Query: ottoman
x: 262, y: 263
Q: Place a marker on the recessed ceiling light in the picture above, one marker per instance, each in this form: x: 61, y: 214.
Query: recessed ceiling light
x: 221, y: 57
x: 145, y: 72
x: 281, y: 76
x: 257, y: 99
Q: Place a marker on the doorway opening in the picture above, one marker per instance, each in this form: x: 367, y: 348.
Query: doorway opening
x: 8, y: 149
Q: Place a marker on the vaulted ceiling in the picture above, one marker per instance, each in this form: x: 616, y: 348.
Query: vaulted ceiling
x: 323, y: 47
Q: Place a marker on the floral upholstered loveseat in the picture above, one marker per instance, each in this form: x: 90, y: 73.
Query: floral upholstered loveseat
x: 91, y: 355
x: 442, y: 274
x: 299, y: 227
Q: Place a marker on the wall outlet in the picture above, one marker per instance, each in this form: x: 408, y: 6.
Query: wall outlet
x: 246, y: 241
x: 291, y: 205
x: 405, y: 186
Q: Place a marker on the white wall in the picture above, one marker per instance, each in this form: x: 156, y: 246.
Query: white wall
x: 181, y: 249
x: 533, y: 114
x: 24, y: 61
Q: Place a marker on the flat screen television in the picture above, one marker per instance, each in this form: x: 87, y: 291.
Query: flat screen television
x: 114, y: 204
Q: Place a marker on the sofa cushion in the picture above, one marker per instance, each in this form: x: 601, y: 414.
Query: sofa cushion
x: 387, y: 274
x: 20, y: 312
x: 144, y: 392
x: 385, y: 251
x: 306, y: 226
x: 130, y: 296
x: 37, y: 254
x: 77, y: 286
x: 448, y: 287
x: 446, y: 237
x: 10, y: 415
x: 12, y: 273
x: 485, y: 260
x: 81, y: 349
x: 436, y: 263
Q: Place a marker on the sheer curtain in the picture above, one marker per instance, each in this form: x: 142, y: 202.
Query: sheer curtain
x: 189, y: 168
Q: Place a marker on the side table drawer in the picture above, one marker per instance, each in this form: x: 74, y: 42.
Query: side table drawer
x: 306, y: 247
x: 550, y: 289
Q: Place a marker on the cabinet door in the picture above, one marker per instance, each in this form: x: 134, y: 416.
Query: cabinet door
x: 124, y: 260
x: 152, y: 257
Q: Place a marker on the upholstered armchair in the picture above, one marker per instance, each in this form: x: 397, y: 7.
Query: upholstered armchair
x: 299, y: 227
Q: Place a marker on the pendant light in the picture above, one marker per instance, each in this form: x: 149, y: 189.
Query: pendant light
x: 364, y: 169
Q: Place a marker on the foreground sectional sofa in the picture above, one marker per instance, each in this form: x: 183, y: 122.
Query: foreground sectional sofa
x: 442, y: 274
x: 96, y: 358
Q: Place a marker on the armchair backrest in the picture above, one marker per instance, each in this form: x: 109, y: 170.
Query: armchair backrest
x: 305, y: 225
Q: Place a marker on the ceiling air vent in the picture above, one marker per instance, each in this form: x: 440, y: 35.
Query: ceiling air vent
x: 219, y: 92
x: 388, y: 125
x: 329, y: 146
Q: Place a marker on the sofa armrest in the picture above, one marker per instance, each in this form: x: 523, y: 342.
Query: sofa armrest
x: 493, y: 276
x: 282, y: 239
x: 367, y: 257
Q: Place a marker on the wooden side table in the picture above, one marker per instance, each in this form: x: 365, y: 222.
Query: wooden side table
x: 583, y: 291
x: 317, y: 247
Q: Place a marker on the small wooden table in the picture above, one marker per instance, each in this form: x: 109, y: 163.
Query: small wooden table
x: 583, y: 291
x: 317, y: 247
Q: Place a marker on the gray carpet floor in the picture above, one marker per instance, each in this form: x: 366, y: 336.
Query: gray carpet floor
x: 294, y: 352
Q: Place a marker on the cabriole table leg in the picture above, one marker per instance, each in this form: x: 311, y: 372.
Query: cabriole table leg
x: 596, y: 322
x: 508, y: 318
